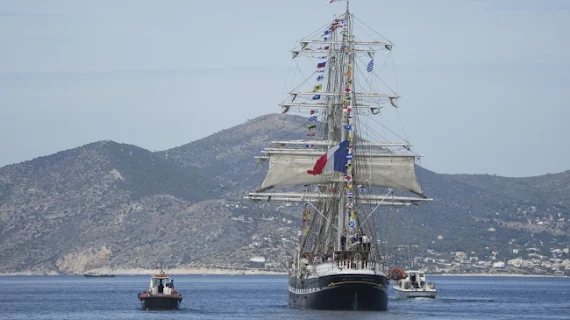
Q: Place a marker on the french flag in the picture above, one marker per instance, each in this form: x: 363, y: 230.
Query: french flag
x: 334, y: 160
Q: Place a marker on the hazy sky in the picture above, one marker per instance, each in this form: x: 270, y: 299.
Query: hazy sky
x: 485, y: 84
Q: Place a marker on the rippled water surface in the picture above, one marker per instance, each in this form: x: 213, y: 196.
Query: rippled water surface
x: 265, y: 297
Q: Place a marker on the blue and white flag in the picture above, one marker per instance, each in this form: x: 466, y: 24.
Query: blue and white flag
x: 313, y: 118
x: 370, y: 66
x: 351, y: 224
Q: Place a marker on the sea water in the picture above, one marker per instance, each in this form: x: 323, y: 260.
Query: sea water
x: 265, y: 297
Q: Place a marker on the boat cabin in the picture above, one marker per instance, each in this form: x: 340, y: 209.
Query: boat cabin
x: 161, y: 284
x: 414, y: 285
x: 415, y: 280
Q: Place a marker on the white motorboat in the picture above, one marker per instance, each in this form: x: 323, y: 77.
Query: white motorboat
x: 415, y: 285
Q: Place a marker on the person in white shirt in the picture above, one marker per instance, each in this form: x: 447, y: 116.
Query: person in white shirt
x: 365, y: 242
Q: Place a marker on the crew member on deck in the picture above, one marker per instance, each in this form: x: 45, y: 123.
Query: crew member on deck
x: 365, y: 242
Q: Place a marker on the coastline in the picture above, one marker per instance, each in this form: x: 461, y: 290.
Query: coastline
x: 252, y: 272
x: 494, y: 275
x: 140, y: 271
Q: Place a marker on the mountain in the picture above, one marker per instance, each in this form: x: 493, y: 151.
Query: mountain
x: 88, y: 201
x: 227, y: 156
x: 115, y: 205
x: 485, y: 213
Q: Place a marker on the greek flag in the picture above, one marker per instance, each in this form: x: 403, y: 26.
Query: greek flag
x: 351, y: 224
x: 370, y: 66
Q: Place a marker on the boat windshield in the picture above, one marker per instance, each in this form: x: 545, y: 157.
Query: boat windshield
x: 156, y: 282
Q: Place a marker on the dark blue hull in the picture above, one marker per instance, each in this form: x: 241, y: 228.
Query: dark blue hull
x: 340, y: 292
x: 160, y: 303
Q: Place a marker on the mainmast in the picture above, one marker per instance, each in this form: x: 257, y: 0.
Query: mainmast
x: 345, y: 203
x: 340, y: 99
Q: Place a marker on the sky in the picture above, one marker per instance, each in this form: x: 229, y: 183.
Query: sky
x: 485, y: 84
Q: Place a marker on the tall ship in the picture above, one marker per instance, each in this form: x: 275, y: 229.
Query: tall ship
x: 343, y: 171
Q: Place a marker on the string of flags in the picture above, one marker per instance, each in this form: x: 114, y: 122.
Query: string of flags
x: 316, y: 88
x: 350, y: 191
x: 321, y: 69
x: 337, y: 23
x: 306, y: 213
x: 347, y: 110
x: 311, y: 127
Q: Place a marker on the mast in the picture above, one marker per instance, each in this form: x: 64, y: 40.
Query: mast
x: 347, y: 77
x: 340, y: 99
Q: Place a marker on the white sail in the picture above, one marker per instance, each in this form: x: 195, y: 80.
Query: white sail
x: 396, y: 172
x: 378, y: 170
x: 291, y: 170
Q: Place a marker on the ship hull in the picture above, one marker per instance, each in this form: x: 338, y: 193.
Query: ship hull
x: 419, y: 293
x: 160, y: 302
x: 340, y: 292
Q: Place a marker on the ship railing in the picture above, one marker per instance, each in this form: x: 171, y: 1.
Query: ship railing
x: 355, y: 260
